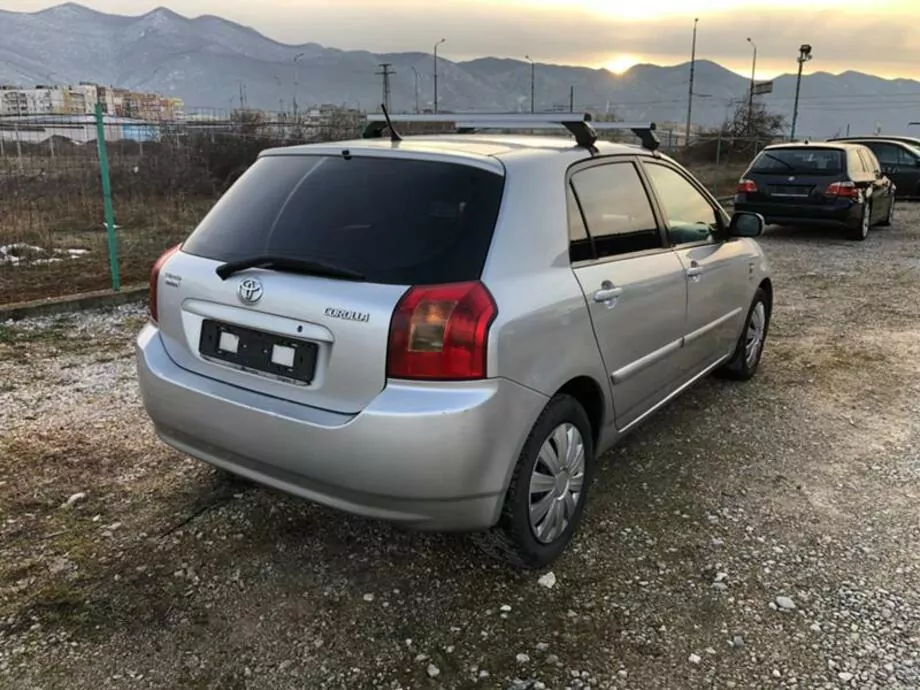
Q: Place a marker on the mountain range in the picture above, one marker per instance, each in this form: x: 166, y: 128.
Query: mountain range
x: 211, y: 62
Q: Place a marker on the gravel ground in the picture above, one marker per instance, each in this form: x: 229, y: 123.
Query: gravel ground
x: 760, y: 535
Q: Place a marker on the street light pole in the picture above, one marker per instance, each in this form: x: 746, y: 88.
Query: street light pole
x: 415, y: 72
x: 439, y: 43
x: 533, y: 84
x: 804, y: 56
x: 751, y: 94
x: 690, y: 95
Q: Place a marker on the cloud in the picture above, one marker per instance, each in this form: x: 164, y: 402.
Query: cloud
x: 881, y: 40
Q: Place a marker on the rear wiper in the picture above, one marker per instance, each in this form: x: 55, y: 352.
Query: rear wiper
x: 288, y: 264
x: 779, y: 160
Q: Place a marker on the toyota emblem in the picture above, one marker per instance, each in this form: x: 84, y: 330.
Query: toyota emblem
x: 249, y: 291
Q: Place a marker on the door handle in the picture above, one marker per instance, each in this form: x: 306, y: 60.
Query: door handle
x: 607, y: 294
x: 695, y: 271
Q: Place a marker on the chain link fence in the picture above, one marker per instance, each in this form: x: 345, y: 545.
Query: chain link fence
x: 717, y: 159
x: 163, y: 178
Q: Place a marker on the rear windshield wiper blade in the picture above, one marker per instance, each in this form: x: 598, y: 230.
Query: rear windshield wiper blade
x: 779, y: 160
x: 290, y: 265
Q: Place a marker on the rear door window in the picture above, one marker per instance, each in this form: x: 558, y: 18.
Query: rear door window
x: 396, y: 221
x: 801, y: 160
x: 614, y: 208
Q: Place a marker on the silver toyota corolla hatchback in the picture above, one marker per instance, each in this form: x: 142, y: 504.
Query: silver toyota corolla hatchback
x: 447, y: 331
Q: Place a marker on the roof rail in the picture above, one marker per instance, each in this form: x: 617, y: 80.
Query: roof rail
x: 581, y: 125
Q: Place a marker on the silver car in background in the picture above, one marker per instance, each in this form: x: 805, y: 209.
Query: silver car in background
x: 447, y: 331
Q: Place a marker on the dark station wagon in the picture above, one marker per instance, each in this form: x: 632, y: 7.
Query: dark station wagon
x: 834, y: 184
x: 899, y: 158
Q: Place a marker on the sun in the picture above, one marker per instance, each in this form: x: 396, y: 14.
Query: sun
x: 621, y: 63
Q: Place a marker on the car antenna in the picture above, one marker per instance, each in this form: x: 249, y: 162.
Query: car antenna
x: 394, y: 135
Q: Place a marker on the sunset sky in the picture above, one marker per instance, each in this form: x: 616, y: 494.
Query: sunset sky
x: 878, y: 37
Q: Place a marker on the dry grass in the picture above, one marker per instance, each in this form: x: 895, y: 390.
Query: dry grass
x: 145, y: 229
x: 719, y: 179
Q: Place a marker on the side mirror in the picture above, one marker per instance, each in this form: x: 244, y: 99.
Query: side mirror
x: 746, y: 224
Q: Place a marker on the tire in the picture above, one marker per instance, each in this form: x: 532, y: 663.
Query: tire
x: 861, y: 231
x: 744, y: 363
x: 515, y: 539
x: 889, y: 216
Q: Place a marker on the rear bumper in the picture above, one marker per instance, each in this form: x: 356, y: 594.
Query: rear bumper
x: 433, y: 456
x: 839, y: 213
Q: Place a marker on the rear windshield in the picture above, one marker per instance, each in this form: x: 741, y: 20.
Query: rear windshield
x: 801, y: 160
x: 396, y: 221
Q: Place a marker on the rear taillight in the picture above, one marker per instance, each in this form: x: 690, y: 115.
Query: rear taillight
x: 440, y: 332
x: 847, y: 190
x: 746, y: 186
x: 155, y: 279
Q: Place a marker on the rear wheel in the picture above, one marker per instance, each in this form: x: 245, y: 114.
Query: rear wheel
x: 547, y: 493
x: 744, y: 362
x: 861, y: 231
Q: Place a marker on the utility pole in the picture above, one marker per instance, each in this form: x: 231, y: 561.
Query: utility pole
x: 751, y: 93
x: 439, y: 43
x: 804, y: 56
x: 415, y: 72
x: 294, y: 82
x: 385, y: 72
x: 533, y: 84
x: 690, y: 95
x: 572, y: 98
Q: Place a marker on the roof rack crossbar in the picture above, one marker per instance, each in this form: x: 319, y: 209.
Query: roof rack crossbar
x: 581, y: 125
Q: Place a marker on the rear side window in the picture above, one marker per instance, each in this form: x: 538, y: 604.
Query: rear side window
x: 872, y: 164
x: 396, y: 221
x: 813, y: 160
x: 615, y: 210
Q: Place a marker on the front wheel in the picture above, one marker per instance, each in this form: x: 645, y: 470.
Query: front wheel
x: 744, y: 361
x: 547, y: 493
x: 861, y: 231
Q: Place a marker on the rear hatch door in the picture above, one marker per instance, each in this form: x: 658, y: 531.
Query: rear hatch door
x: 325, y: 246
x: 796, y: 176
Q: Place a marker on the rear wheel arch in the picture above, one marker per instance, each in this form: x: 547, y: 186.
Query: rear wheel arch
x: 590, y: 396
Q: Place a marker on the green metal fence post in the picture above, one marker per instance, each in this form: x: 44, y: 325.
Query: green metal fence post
x: 107, y: 198
x: 719, y: 149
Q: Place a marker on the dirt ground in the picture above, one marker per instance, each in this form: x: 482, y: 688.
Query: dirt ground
x: 758, y: 535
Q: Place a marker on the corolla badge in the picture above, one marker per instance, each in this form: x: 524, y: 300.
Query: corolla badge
x: 348, y: 315
x: 249, y: 291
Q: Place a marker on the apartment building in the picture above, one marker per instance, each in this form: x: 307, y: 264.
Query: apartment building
x: 82, y: 100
